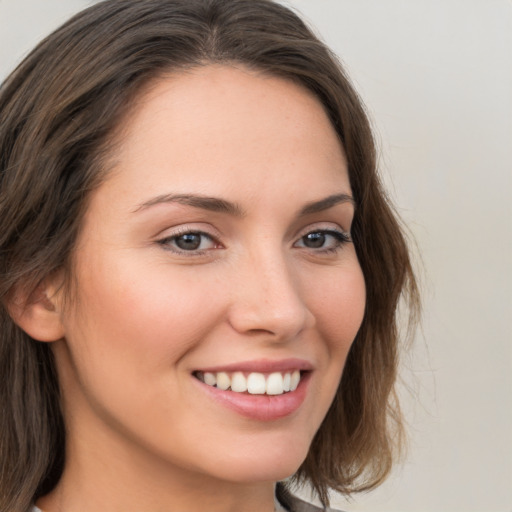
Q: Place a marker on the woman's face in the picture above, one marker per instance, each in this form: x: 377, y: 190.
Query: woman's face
x: 218, y: 250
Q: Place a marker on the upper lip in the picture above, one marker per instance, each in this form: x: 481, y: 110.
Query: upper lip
x: 261, y: 366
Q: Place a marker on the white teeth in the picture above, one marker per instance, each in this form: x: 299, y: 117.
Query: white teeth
x: 295, y: 379
x: 286, y: 382
x: 275, y: 384
x: 238, y: 382
x: 210, y: 379
x: 255, y: 383
x: 223, y: 380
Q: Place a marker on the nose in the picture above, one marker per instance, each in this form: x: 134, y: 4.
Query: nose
x: 267, y: 298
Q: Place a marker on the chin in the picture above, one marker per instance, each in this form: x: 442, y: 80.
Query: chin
x: 262, y: 464
x: 261, y: 471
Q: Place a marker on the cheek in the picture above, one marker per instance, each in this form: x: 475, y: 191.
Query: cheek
x: 148, y: 314
x: 338, y: 304
x: 336, y: 298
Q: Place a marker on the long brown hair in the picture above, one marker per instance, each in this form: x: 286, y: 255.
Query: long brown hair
x: 58, y: 112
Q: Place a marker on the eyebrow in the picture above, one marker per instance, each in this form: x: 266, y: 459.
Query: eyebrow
x: 216, y: 204
x: 213, y: 204
x: 325, y: 204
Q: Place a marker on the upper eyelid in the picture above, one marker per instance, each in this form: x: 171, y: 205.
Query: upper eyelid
x: 322, y: 226
x: 183, y: 229
x: 188, y: 232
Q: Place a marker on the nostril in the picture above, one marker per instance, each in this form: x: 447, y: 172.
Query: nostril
x: 274, y: 322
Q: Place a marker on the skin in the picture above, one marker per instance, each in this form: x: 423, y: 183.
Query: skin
x: 142, y: 432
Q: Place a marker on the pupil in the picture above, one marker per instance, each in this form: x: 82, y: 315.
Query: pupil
x: 189, y: 241
x: 314, y: 240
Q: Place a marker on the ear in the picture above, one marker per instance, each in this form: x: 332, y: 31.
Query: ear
x: 38, y: 312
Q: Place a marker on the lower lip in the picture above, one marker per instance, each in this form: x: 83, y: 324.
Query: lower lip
x: 260, y: 407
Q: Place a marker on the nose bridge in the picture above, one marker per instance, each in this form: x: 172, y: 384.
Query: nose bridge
x: 268, y: 296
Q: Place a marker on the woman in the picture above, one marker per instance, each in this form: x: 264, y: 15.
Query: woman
x: 200, y: 270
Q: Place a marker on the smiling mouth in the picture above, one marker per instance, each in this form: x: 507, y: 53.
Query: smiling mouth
x: 253, y: 383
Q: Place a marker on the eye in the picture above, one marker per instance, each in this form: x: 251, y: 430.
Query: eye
x: 323, y: 239
x: 190, y: 241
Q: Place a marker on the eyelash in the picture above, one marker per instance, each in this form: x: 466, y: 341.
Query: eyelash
x: 341, y: 238
x: 169, y: 240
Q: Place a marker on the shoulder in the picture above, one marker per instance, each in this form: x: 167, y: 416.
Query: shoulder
x: 294, y: 504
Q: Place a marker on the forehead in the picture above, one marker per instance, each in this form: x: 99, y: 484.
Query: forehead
x: 217, y: 125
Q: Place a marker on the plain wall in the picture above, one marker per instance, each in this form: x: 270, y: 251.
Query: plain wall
x: 436, y: 76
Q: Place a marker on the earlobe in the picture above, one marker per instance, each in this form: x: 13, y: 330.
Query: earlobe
x: 38, y: 313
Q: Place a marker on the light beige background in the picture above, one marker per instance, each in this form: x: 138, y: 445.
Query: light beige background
x: 437, y: 78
